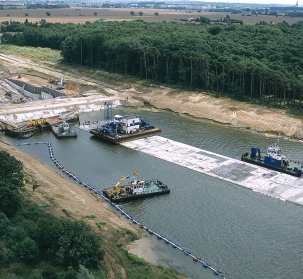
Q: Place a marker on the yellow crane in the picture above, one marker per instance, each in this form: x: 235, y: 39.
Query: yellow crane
x: 117, y: 188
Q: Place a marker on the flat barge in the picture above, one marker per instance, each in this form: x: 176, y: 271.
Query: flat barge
x: 135, y: 189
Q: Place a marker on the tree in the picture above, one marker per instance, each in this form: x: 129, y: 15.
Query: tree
x: 48, y: 13
x: 76, y: 243
x: 132, y: 13
x: 11, y: 171
x: 26, y: 14
x: 9, y: 201
x: 27, y: 250
x: 204, y: 20
x: 140, y: 13
x: 156, y: 14
x: 95, y: 13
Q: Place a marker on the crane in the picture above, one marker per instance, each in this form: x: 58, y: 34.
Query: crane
x: 117, y: 188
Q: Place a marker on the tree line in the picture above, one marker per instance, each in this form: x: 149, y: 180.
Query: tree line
x: 262, y: 63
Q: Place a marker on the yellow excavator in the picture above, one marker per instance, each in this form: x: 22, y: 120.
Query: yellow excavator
x: 117, y: 188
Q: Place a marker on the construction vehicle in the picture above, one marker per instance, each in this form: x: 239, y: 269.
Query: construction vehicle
x: 60, y: 84
x: 41, y: 121
x: 117, y: 188
x: 35, y: 122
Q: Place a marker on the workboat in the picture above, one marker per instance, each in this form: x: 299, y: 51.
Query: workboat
x: 273, y: 159
x: 63, y: 130
x: 135, y: 189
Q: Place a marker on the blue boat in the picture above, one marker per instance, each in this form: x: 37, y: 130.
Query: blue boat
x: 273, y: 159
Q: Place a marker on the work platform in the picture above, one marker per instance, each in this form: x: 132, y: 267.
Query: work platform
x: 265, y: 181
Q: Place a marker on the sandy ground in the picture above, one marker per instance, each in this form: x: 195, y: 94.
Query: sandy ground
x: 79, y: 202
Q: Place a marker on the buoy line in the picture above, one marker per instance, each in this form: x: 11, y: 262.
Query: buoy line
x: 123, y: 212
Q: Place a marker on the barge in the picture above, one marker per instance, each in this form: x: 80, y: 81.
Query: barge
x: 135, y: 189
x: 273, y: 159
x: 125, y: 128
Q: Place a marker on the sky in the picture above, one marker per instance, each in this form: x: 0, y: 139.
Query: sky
x: 284, y: 2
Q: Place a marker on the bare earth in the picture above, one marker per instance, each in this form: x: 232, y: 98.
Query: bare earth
x: 80, y: 203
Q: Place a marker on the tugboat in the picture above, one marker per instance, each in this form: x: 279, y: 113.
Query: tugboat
x: 273, y: 159
x: 63, y: 130
x: 135, y: 189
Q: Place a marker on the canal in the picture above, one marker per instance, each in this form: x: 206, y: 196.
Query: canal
x: 243, y: 233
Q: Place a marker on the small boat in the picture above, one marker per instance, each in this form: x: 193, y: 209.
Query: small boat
x: 135, y: 189
x: 273, y: 159
x: 63, y: 130
x: 27, y: 135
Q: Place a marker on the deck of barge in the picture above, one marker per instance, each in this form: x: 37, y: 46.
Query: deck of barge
x: 259, y: 179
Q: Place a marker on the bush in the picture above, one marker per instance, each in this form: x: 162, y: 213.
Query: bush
x: 9, y: 201
x: 49, y: 273
x: 27, y: 250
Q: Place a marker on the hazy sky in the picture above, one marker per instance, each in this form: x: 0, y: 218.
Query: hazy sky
x: 286, y: 2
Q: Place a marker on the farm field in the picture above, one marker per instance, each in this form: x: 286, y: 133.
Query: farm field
x: 82, y: 15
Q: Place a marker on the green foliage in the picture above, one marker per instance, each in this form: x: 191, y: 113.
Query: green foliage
x: 28, y: 251
x: 49, y: 272
x: 84, y: 273
x: 11, y: 171
x: 76, y: 244
x: 6, y: 256
x: 9, y: 201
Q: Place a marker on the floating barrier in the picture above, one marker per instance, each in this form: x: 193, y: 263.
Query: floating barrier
x: 119, y: 207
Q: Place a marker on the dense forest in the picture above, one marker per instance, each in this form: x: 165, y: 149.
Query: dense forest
x: 36, y: 244
x: 261, y: 63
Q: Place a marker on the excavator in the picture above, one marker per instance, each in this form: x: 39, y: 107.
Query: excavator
x: 117, y: 188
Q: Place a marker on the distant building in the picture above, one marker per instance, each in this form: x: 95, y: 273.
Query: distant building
x: 11, y: 3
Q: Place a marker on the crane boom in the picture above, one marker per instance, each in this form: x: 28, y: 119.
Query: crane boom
x: 117, y: 188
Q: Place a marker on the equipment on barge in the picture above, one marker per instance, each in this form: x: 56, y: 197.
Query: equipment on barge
x: 123, y: 128
x: 135, y: 189
x: 273, y: 159
x: 63, y: 130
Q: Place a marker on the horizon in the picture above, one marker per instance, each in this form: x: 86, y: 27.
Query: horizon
x: 273, y: 2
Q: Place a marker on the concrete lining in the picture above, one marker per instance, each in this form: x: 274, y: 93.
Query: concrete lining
x: 259, y: 179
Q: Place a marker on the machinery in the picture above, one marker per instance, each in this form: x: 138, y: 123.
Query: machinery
x: 35, y: 122
x: 117, y: 188
x: 60, y: 84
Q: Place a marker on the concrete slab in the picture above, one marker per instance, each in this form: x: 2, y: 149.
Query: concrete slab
x: 262, y: 180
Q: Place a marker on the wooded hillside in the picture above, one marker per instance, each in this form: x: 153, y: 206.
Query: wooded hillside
x: 261, y: 63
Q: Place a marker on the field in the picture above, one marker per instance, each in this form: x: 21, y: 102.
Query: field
x: 82, y: 15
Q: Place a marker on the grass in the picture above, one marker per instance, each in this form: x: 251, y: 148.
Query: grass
x: 36, y: 54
